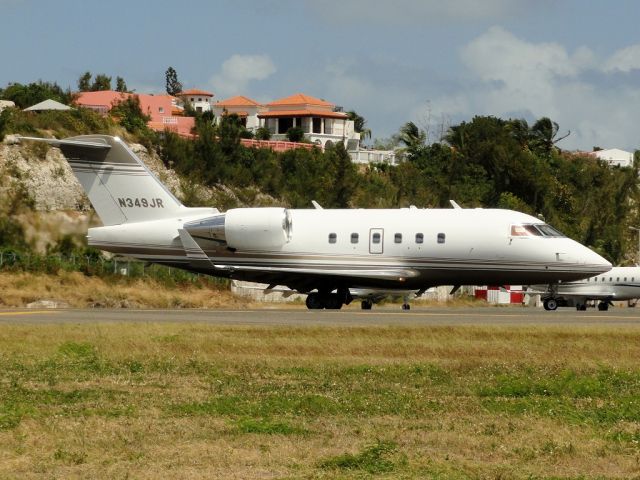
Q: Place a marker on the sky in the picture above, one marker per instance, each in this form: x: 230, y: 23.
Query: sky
x: 434, y: 62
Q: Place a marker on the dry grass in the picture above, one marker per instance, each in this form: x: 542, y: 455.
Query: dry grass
x: 21, y: 288
x: 198, y: 401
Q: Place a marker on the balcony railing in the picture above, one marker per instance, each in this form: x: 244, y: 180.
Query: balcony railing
x: 373, y: 156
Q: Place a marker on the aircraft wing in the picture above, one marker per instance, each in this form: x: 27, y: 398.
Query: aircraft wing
x: 398, y: 274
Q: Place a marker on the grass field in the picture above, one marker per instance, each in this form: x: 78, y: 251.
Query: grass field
x: 199, y: 401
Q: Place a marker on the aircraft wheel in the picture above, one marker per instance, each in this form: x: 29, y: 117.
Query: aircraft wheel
x: 406, y: 306
x: 581, y: 306
x: 550, y: 304
x: 333, y: 302
x: 314, y: 301
x: 366, y: 304
x: 603, y: 306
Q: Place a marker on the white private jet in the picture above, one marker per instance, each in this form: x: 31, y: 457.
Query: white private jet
x: 619, y: 283
x: 321, y: 252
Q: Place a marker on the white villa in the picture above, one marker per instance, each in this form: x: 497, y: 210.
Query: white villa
x: 320, y: 120
x: 246, y: 108
x: 614, y: 157
x: 200, y: 100
x: 322, y: 123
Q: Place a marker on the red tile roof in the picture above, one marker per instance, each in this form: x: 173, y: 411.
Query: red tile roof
x: 303, y: 113
x: 195, y: 91
x: 237, y: 101
x: 300, y: 99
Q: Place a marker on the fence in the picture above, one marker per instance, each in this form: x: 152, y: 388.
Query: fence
x: 102, y: 267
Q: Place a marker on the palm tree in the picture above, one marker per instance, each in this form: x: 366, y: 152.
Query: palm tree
x: 359, y: 123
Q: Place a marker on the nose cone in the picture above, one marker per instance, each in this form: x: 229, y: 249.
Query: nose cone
x: 590, y: 261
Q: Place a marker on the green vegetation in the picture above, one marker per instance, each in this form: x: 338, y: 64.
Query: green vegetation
x: 27, y: 95
x: 319, y: 402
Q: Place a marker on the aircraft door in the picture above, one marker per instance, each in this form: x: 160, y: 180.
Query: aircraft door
x: 376, y: 240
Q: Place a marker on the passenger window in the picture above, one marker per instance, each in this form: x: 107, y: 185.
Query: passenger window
x: 332, y: 238
x: 441, y: 238
x: 611, y: 279
x: 375, y: 238
x: 354, y: 238
x: 419, y: 238
x: 603, y: 279
x: 618, y: 279
x: 397, y: 238
x: 625, y: 279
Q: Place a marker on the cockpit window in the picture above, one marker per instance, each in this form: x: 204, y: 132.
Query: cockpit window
x: 534, y: 230
x: 548, y: 230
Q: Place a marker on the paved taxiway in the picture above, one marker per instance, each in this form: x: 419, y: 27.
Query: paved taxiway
x: 387, y: 316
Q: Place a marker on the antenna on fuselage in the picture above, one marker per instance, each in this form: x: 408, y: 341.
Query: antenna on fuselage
x: 454, y: 204
x: 316, y: 205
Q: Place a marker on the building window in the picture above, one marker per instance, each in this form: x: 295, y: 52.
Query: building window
x: 419, y: 238
x: 375, y: 238
x: 397, y: 238
x: 285, y: 124
x: 332, y: 238
x: 317, y: 125
x: 441, y: 238
x: 199, y: 99
x: 161, y: 109
x: 354, y: 238
x: 603, y: 279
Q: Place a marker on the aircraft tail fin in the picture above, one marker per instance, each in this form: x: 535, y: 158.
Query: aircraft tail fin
x: 119, y: 185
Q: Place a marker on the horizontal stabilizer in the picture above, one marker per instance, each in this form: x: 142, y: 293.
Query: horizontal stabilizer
x: 119, y: 185
x: 54, y: 142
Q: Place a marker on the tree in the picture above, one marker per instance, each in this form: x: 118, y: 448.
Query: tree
x: 413, y: 137
x: 173, y: 86
x: 130, y: 115
x: 84, y: 82
x: 295, y: 134
x: 359, y: 124
x: 101, y: 82
x: 121, y: 86
x: 26, y: 95
x: 263, y: 133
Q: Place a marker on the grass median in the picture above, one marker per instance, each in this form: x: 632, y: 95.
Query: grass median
x: 201, y: 401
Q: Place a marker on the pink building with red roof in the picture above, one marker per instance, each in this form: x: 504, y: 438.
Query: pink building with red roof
x: 164, y: 110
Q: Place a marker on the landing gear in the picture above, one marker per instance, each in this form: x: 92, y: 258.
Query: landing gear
x: 330, y: 301
x: 581, y: 307
x: 405, y: 304
x: 314, y: 301
x: 550, y: 303
x: 366, y: 304
x: 603, y: 306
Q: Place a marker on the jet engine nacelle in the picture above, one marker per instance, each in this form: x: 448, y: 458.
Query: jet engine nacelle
x: 246, y: 228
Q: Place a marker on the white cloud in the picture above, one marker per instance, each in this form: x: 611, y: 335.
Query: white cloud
x: 507, y: 75
x: 238, y: 70
x: 624, y: 60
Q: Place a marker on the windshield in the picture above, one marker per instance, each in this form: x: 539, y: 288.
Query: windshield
x: 534, y: 230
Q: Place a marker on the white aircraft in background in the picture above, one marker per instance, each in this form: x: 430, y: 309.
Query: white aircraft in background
x: 323, y: 253
x: 619, y: 283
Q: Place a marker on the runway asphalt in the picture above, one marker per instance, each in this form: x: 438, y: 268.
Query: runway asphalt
x: 387, y: 316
